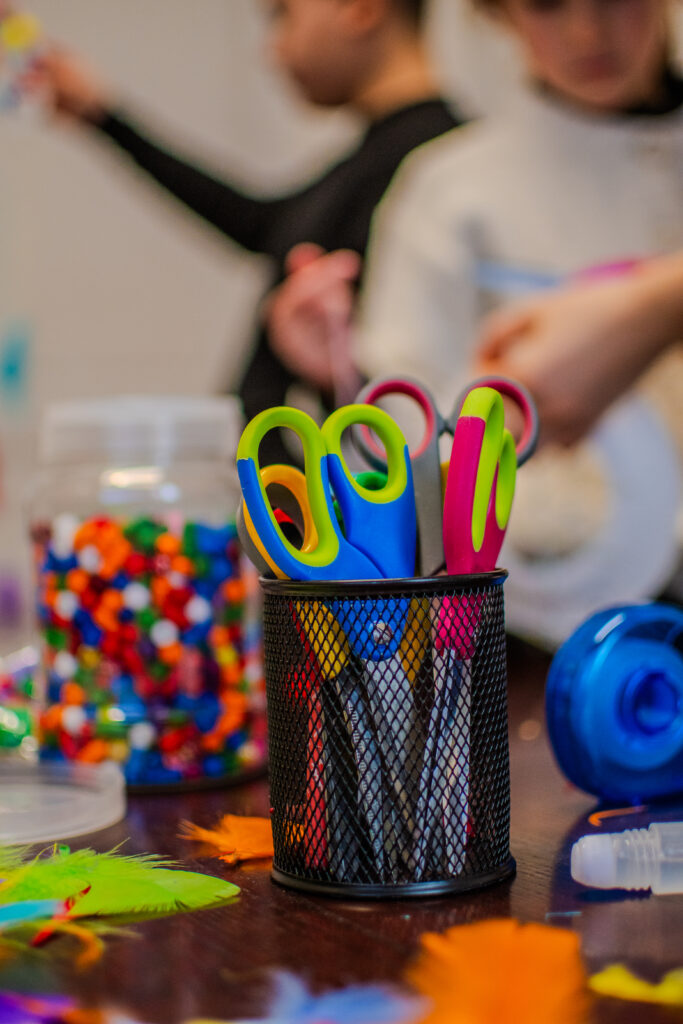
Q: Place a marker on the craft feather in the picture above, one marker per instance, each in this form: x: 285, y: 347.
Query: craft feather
x: 293, y: 1003
x: 13, y: 914
x: 501, y: 972
x: 17, y: 1008
x: 235, y: 838
x: 115, y: 885
x: 620, y: 983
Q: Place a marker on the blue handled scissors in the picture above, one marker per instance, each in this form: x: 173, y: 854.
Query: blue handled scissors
x: 378, y: 540
x: 426, y: 460
x: 379, y: 535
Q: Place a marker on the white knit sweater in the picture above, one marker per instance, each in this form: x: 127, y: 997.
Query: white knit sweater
x: 473, y: 218
x: 542, y: 189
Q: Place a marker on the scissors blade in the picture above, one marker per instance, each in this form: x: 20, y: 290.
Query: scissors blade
x: 443, y: 804
x: 392, y: 708
x: 369, y: 784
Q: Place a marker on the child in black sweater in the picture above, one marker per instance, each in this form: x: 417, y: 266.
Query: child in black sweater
x: 366, y: 55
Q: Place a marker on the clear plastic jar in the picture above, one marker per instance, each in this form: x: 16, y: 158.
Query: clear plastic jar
x: 148, y: 612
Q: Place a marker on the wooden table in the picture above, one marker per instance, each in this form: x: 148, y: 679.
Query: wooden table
x: 215, y: 963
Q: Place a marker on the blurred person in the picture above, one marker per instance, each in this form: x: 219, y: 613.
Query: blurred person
x: 580, y: 176
x: 365, y: 55
x: 580, y: 349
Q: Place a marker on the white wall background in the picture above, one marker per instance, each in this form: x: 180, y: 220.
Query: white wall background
x: 121, y: 290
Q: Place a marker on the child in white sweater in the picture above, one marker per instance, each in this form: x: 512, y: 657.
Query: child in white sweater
x: 583, y: 171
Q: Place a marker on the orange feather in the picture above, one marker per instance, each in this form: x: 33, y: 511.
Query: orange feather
x: 235, y: 838
x: 501, y: 972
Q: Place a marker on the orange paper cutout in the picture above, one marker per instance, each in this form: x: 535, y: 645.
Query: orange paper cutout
x: 501, y: 972
x: 235, y: 838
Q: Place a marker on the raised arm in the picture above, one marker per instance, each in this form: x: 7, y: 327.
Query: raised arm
x: 75, y: 92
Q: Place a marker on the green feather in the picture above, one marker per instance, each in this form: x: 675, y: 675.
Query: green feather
x: 132, y: 886
x: 11, y: 858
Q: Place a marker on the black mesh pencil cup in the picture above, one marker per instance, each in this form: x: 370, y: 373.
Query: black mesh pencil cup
x: 387, y: 718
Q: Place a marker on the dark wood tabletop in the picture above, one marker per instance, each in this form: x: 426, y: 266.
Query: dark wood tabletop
x: 216, y: 963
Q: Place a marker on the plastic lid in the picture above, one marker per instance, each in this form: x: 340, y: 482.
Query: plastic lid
x: 43, y: 802
x: 140, y: 429
x: 594, y: 861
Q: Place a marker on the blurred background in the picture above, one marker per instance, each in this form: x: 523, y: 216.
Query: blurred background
x: 106, y: 287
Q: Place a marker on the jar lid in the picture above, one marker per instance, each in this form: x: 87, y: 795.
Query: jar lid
x: 47, y: 801
x: 141, y: 429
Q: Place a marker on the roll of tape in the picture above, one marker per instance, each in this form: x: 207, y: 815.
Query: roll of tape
x: 634, y: 549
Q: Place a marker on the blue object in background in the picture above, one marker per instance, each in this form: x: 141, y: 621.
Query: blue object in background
x: 614, y: 704
x: 15, y: 339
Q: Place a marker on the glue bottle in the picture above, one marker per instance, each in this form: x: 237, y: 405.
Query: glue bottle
x: 640, y: 858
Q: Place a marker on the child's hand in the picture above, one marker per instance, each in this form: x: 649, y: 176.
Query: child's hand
x: 68, y: 86
x: 576, y: 351
x: 309, y: 317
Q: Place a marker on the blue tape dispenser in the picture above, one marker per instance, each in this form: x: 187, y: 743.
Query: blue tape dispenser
x: 614, y: 704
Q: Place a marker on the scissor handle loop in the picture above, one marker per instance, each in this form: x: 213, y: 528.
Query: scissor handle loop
x: 391, y: 436
x: 370, y: 395
x: 292, y: 480
x: 497, y: 462
x: 526, y: 446
x: 320, y: 510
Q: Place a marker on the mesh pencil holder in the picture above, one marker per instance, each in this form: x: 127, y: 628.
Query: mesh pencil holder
x: 387, y: 718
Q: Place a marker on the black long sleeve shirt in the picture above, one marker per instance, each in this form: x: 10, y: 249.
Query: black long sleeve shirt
x: 334, y: 211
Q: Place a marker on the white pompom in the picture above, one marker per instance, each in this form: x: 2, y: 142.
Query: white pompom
x: 90, y: 559
x: 163, y: 633
x: 141, y: 736
x: 136, y: 597
x: 198, y: 609
x: 65, y: 665
x: 73, y: 719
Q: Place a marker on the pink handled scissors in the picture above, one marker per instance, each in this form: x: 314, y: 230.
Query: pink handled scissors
x: 425, y: 458
x: 480, y: 485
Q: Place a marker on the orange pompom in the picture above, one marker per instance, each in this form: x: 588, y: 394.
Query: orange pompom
x: 183, y: 565
x: 219, y: 636
x: 112, y: 600
x: 234, y: 591
x: 72, y: 693
x: 93, y: 752
x: 85, y: 534
x: 160, y: 588
x: 171, y: 654
x: 168, y: 544
x: 77, y: 580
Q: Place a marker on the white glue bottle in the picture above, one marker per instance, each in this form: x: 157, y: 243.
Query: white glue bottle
x: 641, y: 858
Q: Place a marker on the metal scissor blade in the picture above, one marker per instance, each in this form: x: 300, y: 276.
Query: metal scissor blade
x: 392, y: 706
x: 339, y: 782
x: 443, y: 802
x: 368, y: 768
x: 450, y: 787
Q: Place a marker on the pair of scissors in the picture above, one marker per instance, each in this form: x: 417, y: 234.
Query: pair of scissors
x: 378, y: 540
x: 379, y: 525
x: 480, y: 487
x: 426, y: 459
